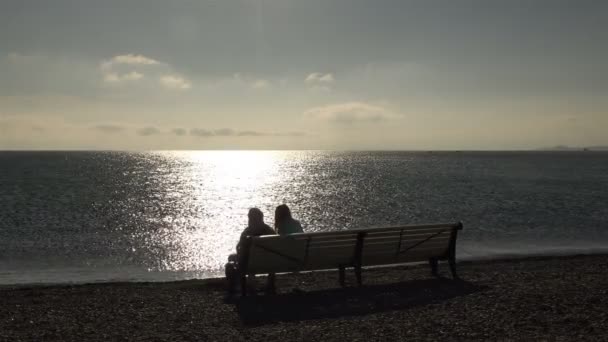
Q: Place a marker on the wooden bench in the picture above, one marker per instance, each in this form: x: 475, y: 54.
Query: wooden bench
x: 354, y: 248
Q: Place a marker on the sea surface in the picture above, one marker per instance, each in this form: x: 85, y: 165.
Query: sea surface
x: 73, y: 217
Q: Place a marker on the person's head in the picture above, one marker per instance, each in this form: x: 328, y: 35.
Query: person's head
x: 281, y: 213
x: 256, y: 217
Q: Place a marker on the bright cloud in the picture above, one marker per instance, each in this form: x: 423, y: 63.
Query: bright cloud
x: 175, y: 82
x: 113, y: 70
x: 129, y: 59
x: 130, y: 67
x: 320, y: 81
x: 135, y: 59
x: 113, y: 77
x: 317, y: 77
x: 350, y: 112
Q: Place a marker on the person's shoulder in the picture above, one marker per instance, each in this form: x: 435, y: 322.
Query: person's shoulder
x: 268, y: 229
x: 246, y: 232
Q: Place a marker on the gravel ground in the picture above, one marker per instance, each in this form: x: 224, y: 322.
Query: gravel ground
x: 550, y: 298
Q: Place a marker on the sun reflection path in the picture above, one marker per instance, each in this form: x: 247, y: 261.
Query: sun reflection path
x: 214, y: 190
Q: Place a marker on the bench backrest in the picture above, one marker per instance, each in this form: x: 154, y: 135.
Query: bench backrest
x: 366, y: 247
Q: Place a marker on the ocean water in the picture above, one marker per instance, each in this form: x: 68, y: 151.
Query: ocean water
x: 156, y: 216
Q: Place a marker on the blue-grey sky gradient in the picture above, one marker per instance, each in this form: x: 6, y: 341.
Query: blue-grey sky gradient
x: 303, y: 74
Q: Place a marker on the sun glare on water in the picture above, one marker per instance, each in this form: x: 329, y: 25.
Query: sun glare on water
x: 213, y: 191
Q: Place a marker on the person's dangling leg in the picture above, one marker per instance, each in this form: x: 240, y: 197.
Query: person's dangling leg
x: 231, y: 271
x: 230, y: 277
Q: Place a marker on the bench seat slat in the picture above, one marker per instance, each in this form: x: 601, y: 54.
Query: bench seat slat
x: 370, y: 238
x: 368, y: 243
x: 394, y: 246
x: 414, y: 233
x: 406, y: 231
x: 381, y: 229
x: 410, y: 238
x: 394, y: 251
x: 351, y: 236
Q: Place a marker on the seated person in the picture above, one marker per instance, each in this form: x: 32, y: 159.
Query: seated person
x: 256, y: 227
x: 284, y: 223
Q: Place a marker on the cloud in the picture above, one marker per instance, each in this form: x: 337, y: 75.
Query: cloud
x: 15, y: 57
x: 229, y: 132
x: 38, y: 131
x: 148, y: 131
x: 18, y: 125
x: 113, y: 70
x: 224, y: 132
x: 251, y: 81
x: 129, y: 59
x: 320, y: 81
x: 179, y: 131
x: 112, y: 77
x: 130, y: 67
x: 175, y: 82
x: 292, y: 134
x: 199, y: 132
x: 260, y: 84
x: 264, y: 134
x: 134, y: 59
x: 109, y: 128
x: 251, y: 134
x: 350, y: 112
x: 317, y: 77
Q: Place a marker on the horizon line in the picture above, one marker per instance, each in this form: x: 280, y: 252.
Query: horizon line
x: 569, y: 149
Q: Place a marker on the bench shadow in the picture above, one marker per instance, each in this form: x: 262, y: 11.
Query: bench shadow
x: 330, y: 303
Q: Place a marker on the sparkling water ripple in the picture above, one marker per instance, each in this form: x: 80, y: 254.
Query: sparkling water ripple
x: 102, y: 216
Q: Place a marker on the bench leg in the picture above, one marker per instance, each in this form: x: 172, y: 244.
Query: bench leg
x: 452, y: 262
x: 433, y: 264
x: 341, y: 271
x: 358, y: 274
x: 271, y: 286
x: 244, y: 285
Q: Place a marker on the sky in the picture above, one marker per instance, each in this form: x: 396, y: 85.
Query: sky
x: 314, y: 74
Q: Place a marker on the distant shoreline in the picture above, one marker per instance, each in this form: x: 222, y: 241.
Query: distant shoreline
x: 580, y: 149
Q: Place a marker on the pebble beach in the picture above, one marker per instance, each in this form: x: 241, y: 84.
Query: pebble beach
x: 540, y: 298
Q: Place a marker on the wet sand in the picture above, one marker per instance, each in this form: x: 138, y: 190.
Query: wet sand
x: 551, y: 298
